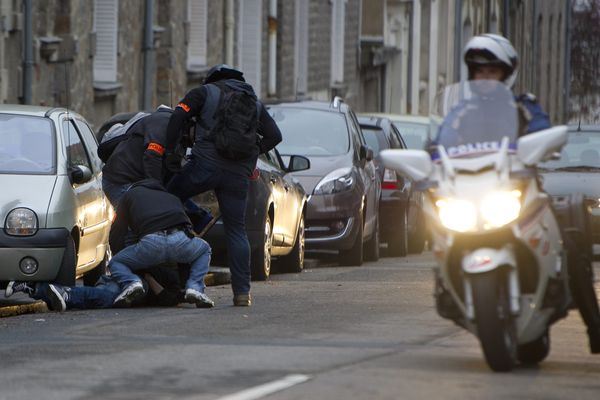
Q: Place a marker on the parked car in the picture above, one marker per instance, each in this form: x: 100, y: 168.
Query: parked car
x: 275, y: 213
x: 402, y: 222
x: 577, y: 171
x: 55, y: 217
x: 416, y: 130
x: 343, y: 207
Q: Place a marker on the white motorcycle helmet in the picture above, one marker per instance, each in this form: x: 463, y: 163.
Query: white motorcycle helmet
x: 492, y: 49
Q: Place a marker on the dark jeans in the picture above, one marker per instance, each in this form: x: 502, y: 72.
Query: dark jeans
x: 231, y: 189
x: 85, y: 297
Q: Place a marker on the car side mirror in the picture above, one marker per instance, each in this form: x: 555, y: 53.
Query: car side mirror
x: 298, y: 163
x: 80, y: 174
x: 366, y: 153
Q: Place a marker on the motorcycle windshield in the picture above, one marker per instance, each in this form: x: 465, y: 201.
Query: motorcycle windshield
x: 476, y: 116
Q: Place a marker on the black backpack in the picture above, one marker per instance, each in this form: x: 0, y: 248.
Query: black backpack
x: 234, y: 132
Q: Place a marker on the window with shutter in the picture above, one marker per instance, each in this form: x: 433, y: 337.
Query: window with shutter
x: 106, y: 13
x: 198, y: 17
x: 249, y: 41
x: 338, y: 17
x: 301, y: 46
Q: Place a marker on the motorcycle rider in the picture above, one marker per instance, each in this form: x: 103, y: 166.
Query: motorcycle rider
x: 492, y: 57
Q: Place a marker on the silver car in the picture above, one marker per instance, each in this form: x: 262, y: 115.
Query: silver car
x: 55, y: 218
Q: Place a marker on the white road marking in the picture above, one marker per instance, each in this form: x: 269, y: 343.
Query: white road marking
x: 263, y: 390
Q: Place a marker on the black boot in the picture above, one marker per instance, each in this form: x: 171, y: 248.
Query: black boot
x: 594, y: 335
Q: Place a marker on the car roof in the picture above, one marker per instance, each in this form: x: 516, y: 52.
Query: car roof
x: 417, y: 119
x: 22, y: 109
x: 312, y: 105
x: 587, y: 128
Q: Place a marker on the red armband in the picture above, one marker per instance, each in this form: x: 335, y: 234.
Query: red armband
x: 156, y: 148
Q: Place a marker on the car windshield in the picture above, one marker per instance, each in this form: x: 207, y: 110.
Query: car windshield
x: 414, y: 135
x: 311, y: 132
x: 26, y: 145
x: 477, y: 116
x: 582, y: 151
x: 372, y: 137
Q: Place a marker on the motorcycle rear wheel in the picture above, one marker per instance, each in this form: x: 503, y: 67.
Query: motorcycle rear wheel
x: 535, y: 352
x: 495, y: 326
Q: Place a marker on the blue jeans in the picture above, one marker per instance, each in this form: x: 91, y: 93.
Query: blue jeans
x: 157, y: 248
x: 85, y: 297
x: 231, y: 189
x: 114, y: 191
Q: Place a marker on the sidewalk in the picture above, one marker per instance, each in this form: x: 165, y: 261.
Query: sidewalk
x: 20, y: 303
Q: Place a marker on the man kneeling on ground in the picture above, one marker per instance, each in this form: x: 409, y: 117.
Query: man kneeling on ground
x: 163, y: 232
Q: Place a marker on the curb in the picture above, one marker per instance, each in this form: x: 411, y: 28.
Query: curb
x: 217, y: 276
x: 30, y: 308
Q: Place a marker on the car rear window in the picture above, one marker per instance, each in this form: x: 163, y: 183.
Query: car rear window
x: 582, y: 150
x: 375, y: 138
x: 26, y: 145
x: 414, y: 135
x: 311, y: 132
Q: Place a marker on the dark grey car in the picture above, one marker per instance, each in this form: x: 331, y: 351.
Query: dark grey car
x: 577, y: 171
x: 402, y: 223
x: 343, y: 207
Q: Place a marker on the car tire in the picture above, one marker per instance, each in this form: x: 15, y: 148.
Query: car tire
x: 416, y: 242
x: 294, y: 262
x: 398, y: 241
x: 66, y: 273
x: 354, y: 255
x: 91, y: 278
x: 261, y: 258
x: 372, y: 245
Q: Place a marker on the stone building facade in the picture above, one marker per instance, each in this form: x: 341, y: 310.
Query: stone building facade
x: 380, y: 55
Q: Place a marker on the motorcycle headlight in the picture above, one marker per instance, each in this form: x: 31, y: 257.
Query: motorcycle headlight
x: 500, y: 208
x: 457, y: 215
x: 496, y: 209
x: 21, y: 222
x: 336, y: 181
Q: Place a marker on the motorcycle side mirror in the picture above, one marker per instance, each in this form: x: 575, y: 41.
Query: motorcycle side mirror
x: 415, y: 164
x: 539, y: 146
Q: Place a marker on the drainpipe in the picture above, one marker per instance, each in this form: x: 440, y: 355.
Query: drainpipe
x: 272, y: 89
x: 567, y: 77
x: 416, y: 58
x: 28, y: 52
x: 148, y: 50
x: 457, y: 39
x: 505, y: 19
x: 229, y: 31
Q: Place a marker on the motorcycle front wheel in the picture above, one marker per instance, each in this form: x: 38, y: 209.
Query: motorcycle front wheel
x: 496, y: 327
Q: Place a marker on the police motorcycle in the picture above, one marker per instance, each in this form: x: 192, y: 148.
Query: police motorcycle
x: 501, y: 260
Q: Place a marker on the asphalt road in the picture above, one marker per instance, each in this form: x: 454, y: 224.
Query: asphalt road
x: 331, y: 332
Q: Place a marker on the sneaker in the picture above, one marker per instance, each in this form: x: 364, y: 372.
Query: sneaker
x: 57, y: 298
x: 129, y: 294
x: 16, y: 286
x: 200, y: 299
x: 242, y: 300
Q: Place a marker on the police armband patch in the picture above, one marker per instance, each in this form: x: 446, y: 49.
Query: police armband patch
x: 184, y: 106
x: 157, y: 148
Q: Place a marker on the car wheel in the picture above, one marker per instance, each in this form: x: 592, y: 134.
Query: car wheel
x: 416, y: 242
x: 354, y: 255
x: 91, y: 278
x: 372, y: 246
x: 294, y: 262
x: 66, y: 273
x: 261, y: 258
x: 398, y: 242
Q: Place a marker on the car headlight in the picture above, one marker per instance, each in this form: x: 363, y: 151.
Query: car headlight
x: 21, y: 222
x: 336, y: 181
x: 496, y: 209
x: 500, y: 208
x: 457, y: 215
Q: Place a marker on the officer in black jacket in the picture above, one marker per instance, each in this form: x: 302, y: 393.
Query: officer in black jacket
x: 139, y: 156
x: 163, y: 235
x: 210, y: 169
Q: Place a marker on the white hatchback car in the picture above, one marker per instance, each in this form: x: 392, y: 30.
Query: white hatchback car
x: 55, y: 218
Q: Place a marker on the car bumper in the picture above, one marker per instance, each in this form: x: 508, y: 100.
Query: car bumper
x: 218, y: 240
x: 47, y: 247
x: 333, y: 221
x: 390, y: 215
x: 595, y: 225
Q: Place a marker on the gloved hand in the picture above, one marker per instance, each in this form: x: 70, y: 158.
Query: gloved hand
x: 172, y: 162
